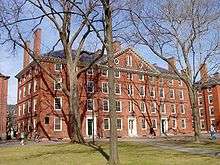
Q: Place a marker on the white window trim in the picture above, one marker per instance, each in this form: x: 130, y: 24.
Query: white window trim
x: 19, y: 110
x: 210, y: 107
x: 93, y: 106
x: 209, y: 99
x: 34, y: 104
x: 90, y: 73
x: 130, y: 86
x: 173, y: 94
x: 131, y: 106
x: 129, y: 60
x: 153, y: 90
x: 174, y: 108
x: 103, y: 105
x: 35, y: 85
x: 182, y: 93
x: 60, y: 81
x: 155, y: 107
x: 92, y: 88
x: 60, y: 124
x: 34, y: 123
x: 199, y: 101
x: 29, y: 106
x: 120, y: 106
x: 208, y: 90
x: 29, y: 88
x: 119, y: 74
x: 180, y: 83
x: 106, y: 73
x: 171, y: 82
x: 164, y: 107
x: 175, y: 123
x: 143, y: 86
x: 184, y: 123
x: 143, y: 119
x: 202, y: 120
x: 212, y: 119
x: 108, y: 123
x: 61, y: 103
x: 24, y: 108
x: 184, y: 111
x: 24, y: 91
x: 116, y: 61
x: 142, y: 102
x: 103, y: 87
x: 128, y: 77
x: 155, y: 123
x: 142, y: 77
x: 200, y: 112
x: 119, y: 89
x: 121, y: 124
x: 163, y: 93
x: 61, y: 66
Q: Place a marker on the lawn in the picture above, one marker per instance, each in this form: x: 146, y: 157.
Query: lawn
x: 74, y: 154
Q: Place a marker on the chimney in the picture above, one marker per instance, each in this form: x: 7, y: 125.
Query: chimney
x: 37, y: 42
x: 116, y: 46
x: 204, y: 72
x: 26, y: 57
x: 172, y: 61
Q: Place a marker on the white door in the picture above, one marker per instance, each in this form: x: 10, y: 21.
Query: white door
x: 164, y: 125
x: 132, y: 127
x: 90, y: 126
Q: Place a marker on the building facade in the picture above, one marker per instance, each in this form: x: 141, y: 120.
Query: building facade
x: 147, y: 96
x: 208, y: 97
x: 3, y: 104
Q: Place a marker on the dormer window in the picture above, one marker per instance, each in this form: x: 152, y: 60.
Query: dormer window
x: 89, y: 71
x: 129, y: 60
x: 116, y: 61
x: 58, y: 67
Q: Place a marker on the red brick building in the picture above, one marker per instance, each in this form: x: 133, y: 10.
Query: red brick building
x: 3, y: 104
x: 209, y: 100
x: 146, y: 96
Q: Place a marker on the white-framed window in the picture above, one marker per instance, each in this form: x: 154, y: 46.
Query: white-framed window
x: 34, y: 123
x: 90, y: 86
x: 57, y: 103
x: 34, y: 104
x: 153, y: 107
x: 200, y: 100
x: 29, y: 106
x: 20, y: 94
x: 141, y: 77
x: 129, y: 76
x: 199, y: 91
x: 142, y: 90
x: 151, y: 79
x: 90, y: 104
x: 163, y: 108
x: 210, y: 99
x: 29, y: 88
x: 201, y: 112
x: 118, y: 106
x: 119, y: 124
x: 129, y: 60
x: 104, y: 72
x: 106, y: 124
x: 118, y: 89
x: 212, y: 121
x: 161, y: 92
x: 173, y: 108
x: 105, y: 105
x: 57, y: 83
x: 209, y: 90
x: 182, y: 109
x: 19, y: 110
x: 57, y: 124
x: 172, y: 94
x: 152, y: 91
x: 180, y: 83
x: 181, y: 94
x: 142, y: 106
x: 211, y: 111
x: 202, y: 124
x: 173, y: 123
x: 105, y: 87
x: 116, y: 61
x: 130, y: 89
x: 58, y: 67
x: 171, y: 82
x: 24, y: 108
x: 24, y: 91
x: 89, y: 71
x: 35, y: 85
x: 143, y: 124
x: 183, y: 123
x: 130, y: 106
x: 154, y: 123
x: 161, y: 81
x: 117, y: 74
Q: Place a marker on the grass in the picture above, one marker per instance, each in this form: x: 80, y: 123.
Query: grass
x: 74, y: 154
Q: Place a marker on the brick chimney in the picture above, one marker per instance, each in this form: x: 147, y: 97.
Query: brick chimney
x: 37, y: 42
x: 172, y: 61
x: 204, y: 72
x: 116, y: 46
x: 26, y: 57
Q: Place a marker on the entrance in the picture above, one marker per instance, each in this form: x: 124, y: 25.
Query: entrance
x: 132, y: 127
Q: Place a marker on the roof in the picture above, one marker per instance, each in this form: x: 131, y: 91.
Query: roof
x: 212, y: 81
x: 6, y: 77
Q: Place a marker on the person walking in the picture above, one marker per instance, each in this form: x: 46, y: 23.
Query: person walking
x: 212, y: 132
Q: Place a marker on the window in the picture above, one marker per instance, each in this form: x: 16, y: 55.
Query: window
x: 199, y: 92
x: 172, y: 95
x: 116, y: 61
x: 154, y: 123
x: 46, y: 120
x: 24, y: 92
x: 19, y: 110
x: 152, y: 91
x: 117, y: 74
x: 129, y: 61
x: 143, y: 123
x: 183, y: 123
x: 163, y: 108
x: 34, y: 123
x: 173, y: 108
x: 20, y: 93
x: 212, y: 121
x: 201, y: 112
x: 142, y: 106
x: 141, y: 77
x: 130, y: 90
x: 210, y: 99
x: 211, y: 111
x: 161, y: 92
x: 181, y: 95
x: 35, y: 85
x: 180, y: 83
x: 104, y: 72
x: 153, y: 107
x: 119, y: 124
x: 151, y: 79
x: 29, y: 88
x: 200, y: 100
x: 90, y: 104
x: 106, y: 123
x: 57, y: 83
x: 58, y: 67
x: 118, y: 89
x: 130, y: 106
x: 173, y: 123
x: 58, y: 103
x: 182, y: 108
x: 129, y: 76
x: 89, y: 71
x: 142, y: 90
x: 35, y: 104
x: 202, y: 124
x: 170, y: 82
x: 105, y: 87
x: 57, y: 124
x: 105, y: 104
x: 209, y: 90
x: 23, y: 108
x: 118, y: 106
x: 29, y: 106
x: 161, y: 81
x: 90, y: 86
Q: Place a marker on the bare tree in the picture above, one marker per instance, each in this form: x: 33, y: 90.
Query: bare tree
x: 185, y: 29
